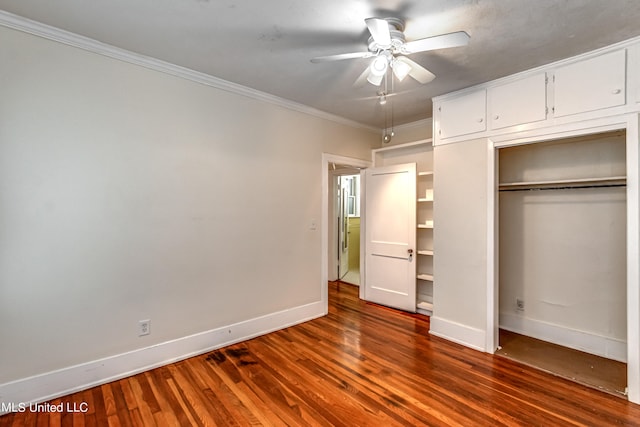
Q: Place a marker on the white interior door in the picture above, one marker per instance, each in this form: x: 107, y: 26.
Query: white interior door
x: 390, y: 235
x: 343, y: 230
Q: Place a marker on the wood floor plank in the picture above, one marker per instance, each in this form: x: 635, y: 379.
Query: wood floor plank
x: 362, y: 364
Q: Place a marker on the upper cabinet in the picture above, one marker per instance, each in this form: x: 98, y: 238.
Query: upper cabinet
x: 590, y: 85
x: 595, y: 85
x: 518, y: 102
x: 462, y: 115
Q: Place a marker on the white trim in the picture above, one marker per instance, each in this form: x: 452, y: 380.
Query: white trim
x: 492, y: 247
x: 69, y: 380
x: 19, y: 23
x: 588, y: 342
x: 458, y: 333
x: 428, y: 141
x: 324, y: 229
x: 363, y: 231
x: 568, y: 130
x: 633, y: 255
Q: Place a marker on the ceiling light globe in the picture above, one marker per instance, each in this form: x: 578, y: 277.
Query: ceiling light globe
x: 400, y: 69
x: 379, y: 65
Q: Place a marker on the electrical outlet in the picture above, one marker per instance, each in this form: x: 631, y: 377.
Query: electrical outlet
x: 144, y: 327
x: 519, y: 304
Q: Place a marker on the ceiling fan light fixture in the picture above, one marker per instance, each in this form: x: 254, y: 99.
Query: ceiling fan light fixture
x: 379, y: 65
x: 378, y: 69
x: 375, y: 80
x: 400, y: 69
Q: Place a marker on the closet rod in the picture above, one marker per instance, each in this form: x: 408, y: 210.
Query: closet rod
x: 564, y: 187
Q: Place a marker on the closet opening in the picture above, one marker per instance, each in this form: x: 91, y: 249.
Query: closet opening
x: 562, y: 251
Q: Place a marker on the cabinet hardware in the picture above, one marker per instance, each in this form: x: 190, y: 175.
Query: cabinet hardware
x: 616, y: 91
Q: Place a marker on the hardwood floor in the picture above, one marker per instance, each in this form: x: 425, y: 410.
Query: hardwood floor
x: 361, y: 365
x: 588, y: 369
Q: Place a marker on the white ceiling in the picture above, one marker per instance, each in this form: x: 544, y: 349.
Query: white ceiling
x: 267, y: 44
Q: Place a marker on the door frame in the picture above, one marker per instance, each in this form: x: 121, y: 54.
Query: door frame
x: 629, y: 123
x: 328, y: 159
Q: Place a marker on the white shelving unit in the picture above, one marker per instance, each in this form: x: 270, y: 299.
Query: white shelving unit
x: 424, y: 290
x: 420, y: 153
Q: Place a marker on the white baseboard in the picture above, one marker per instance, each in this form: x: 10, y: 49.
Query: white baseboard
x: 588, y: 342
x: 458, y: 333
x: 69, y: 380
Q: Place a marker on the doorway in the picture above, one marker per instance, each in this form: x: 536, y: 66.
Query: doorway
x: 332, y: 167
x: 348, y: 228
x: 345, y: 223
x: 562, y: 209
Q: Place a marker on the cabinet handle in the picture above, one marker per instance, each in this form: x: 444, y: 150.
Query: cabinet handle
x: 480, y: 120
x: 496, y: 117
x: 616, y: 91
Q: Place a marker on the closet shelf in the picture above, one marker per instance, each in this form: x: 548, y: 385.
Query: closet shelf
x: 425, y: 199
x: 580, y: 182
x: 427, y: 277
x: 426, y: 224
x: 425, y: 252
x: 425, y: 173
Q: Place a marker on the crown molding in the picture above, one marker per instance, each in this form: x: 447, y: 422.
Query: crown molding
x: 39, y: 29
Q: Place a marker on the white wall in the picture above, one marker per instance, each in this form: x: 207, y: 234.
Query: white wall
x: 460, y: 241
x: 409, y: 132
x: 130, y: 194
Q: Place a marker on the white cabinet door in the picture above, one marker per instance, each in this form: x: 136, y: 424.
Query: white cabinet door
x: 463, y: 115
x: 591, y: 84
x: 390, y: 235
x: 519, y: 102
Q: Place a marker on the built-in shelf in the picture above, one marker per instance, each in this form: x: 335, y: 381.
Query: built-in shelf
x: 425, y: 307
x: 580, y: 182
x: 425, y: 173
x: 425, y: 252
x: 426, y: 224
x: 428, y: 196
x: 424, y: 276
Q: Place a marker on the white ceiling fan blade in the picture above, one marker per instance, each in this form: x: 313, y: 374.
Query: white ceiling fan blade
x: 341, y: 56
x: 379, y: 29
x: 418, y: 72
x: 444, y: 41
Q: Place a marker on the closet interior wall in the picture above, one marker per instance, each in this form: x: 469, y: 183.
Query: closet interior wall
x: 562, y: 242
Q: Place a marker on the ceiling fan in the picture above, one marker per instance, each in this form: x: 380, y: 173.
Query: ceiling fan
x: 388, y: 46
